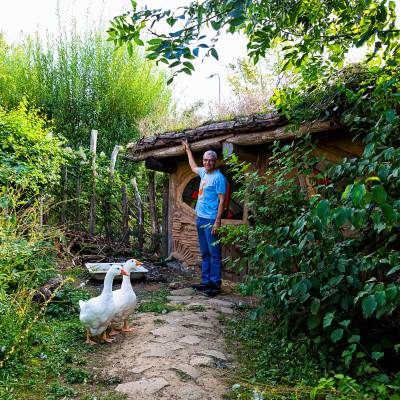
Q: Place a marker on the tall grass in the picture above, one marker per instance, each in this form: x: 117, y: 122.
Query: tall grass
x: 27, y: 260
x: 83, y: 83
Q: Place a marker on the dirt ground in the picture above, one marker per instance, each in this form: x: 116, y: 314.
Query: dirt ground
x: 176, y: 355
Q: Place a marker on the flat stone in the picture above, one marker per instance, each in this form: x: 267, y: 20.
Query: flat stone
x: 140, y: 369
x: 157, y: 352
x: 191, y: 392
x: 142, y: 387
x: 196, y: 304
x: 162, y: 339
x: 202, y: 361
x: 197, y: 324
x: 190, y: 340
x: 180, y: 299
x: 172, y: 332
x: 220, y: 303
x: 182, y: 292
x: 165, y: 350
x: 188, y: 370
x: 213, y: 353
x: 225, y: 310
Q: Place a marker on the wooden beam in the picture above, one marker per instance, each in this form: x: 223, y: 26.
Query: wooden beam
x: 158, y: 165
x: 175, y: 151
x: 244, y: 139
x: 282, y: 133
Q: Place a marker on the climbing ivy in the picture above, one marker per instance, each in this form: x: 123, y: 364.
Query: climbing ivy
x: 329, y: 264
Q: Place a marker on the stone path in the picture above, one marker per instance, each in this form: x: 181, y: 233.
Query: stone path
x: 180, y: 355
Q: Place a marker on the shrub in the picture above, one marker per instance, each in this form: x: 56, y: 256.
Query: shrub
x: 341, y: 290
x: 32, y: 155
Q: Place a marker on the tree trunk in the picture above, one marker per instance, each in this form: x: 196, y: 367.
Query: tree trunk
x: 78, y: 201
x: 165, y: 217
x: 92, y: 215
x: 65, y: 196
x: 140, y: 219
x: 107, y: 199
x: 155, y: 230
x: 125, y: 216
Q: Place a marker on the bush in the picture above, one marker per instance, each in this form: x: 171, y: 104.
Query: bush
x: 32, y: 155
x: 330, y: 263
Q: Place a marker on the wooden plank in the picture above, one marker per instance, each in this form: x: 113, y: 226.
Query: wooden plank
x: 243, y: 139
x: 175, y: 151
x: 165, y: 211
x: 281, y: 133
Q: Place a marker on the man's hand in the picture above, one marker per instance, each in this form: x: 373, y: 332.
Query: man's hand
x: 185, y: 145
x: 217, y: 224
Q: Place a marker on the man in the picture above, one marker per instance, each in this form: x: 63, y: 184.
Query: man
x: 209, y: 208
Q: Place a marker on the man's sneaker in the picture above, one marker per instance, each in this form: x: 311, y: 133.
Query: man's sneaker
x: 212, y: 292
x: 201, y: 286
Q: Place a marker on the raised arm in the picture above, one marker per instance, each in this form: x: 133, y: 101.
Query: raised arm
x: 192, y: 162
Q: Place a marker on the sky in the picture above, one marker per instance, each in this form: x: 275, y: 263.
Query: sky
x: 18, y: 17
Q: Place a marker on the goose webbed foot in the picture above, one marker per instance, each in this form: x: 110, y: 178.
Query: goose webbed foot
x: 89, y: 340
x: 126, y: 328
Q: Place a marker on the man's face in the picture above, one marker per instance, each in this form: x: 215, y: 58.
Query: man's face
x: 209, y: 163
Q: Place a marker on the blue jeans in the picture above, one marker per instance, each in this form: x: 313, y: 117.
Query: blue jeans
x: 211, y: 264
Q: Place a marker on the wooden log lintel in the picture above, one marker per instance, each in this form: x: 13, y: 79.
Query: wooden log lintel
x: 243, y: 139
x: 176, y: 151
x: 282, y: 133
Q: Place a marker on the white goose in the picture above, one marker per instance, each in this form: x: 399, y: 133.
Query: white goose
x: 125, y: 298
x: 97, y: 313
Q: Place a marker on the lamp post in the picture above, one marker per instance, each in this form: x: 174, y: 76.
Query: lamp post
x: 219, y: 85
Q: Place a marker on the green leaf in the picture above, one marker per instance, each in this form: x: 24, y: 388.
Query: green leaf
x: 328, y: 319
x: 313, y: 321
x: 354, y: 339
x: 341, y: 216
x: 379, y: 194
x: 215, y: 25
x: 369, y: 305
x: 345, y: 323
x: 376, y: 355
x: 389, y: 214
x: 214, y: 53
x: 188, y: 65
x: 138, y: 41
x: 390, y: 115
x: 174, y: 64
x: 357, y: 194
x: 130, y: 48
x: 315, y: 305
x: 393, y: 270
x: 336, y: 335
x: 322, y: 211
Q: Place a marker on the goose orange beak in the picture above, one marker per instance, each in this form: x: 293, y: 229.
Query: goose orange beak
x: 123, y: 272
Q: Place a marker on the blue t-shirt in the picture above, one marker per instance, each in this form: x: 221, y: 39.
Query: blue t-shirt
x: 211, y: 185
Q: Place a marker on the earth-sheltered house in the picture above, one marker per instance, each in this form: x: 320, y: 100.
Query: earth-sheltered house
x: 250, y: 138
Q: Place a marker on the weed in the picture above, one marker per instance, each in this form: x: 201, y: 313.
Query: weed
x: 267, y: 358
x: 56, y: 391
x: 158, y: 307
x: 76, y: 375
x: 159, y: 321
x: 197, y: 308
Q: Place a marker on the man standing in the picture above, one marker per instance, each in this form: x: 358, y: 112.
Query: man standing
x: 209, y: 208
